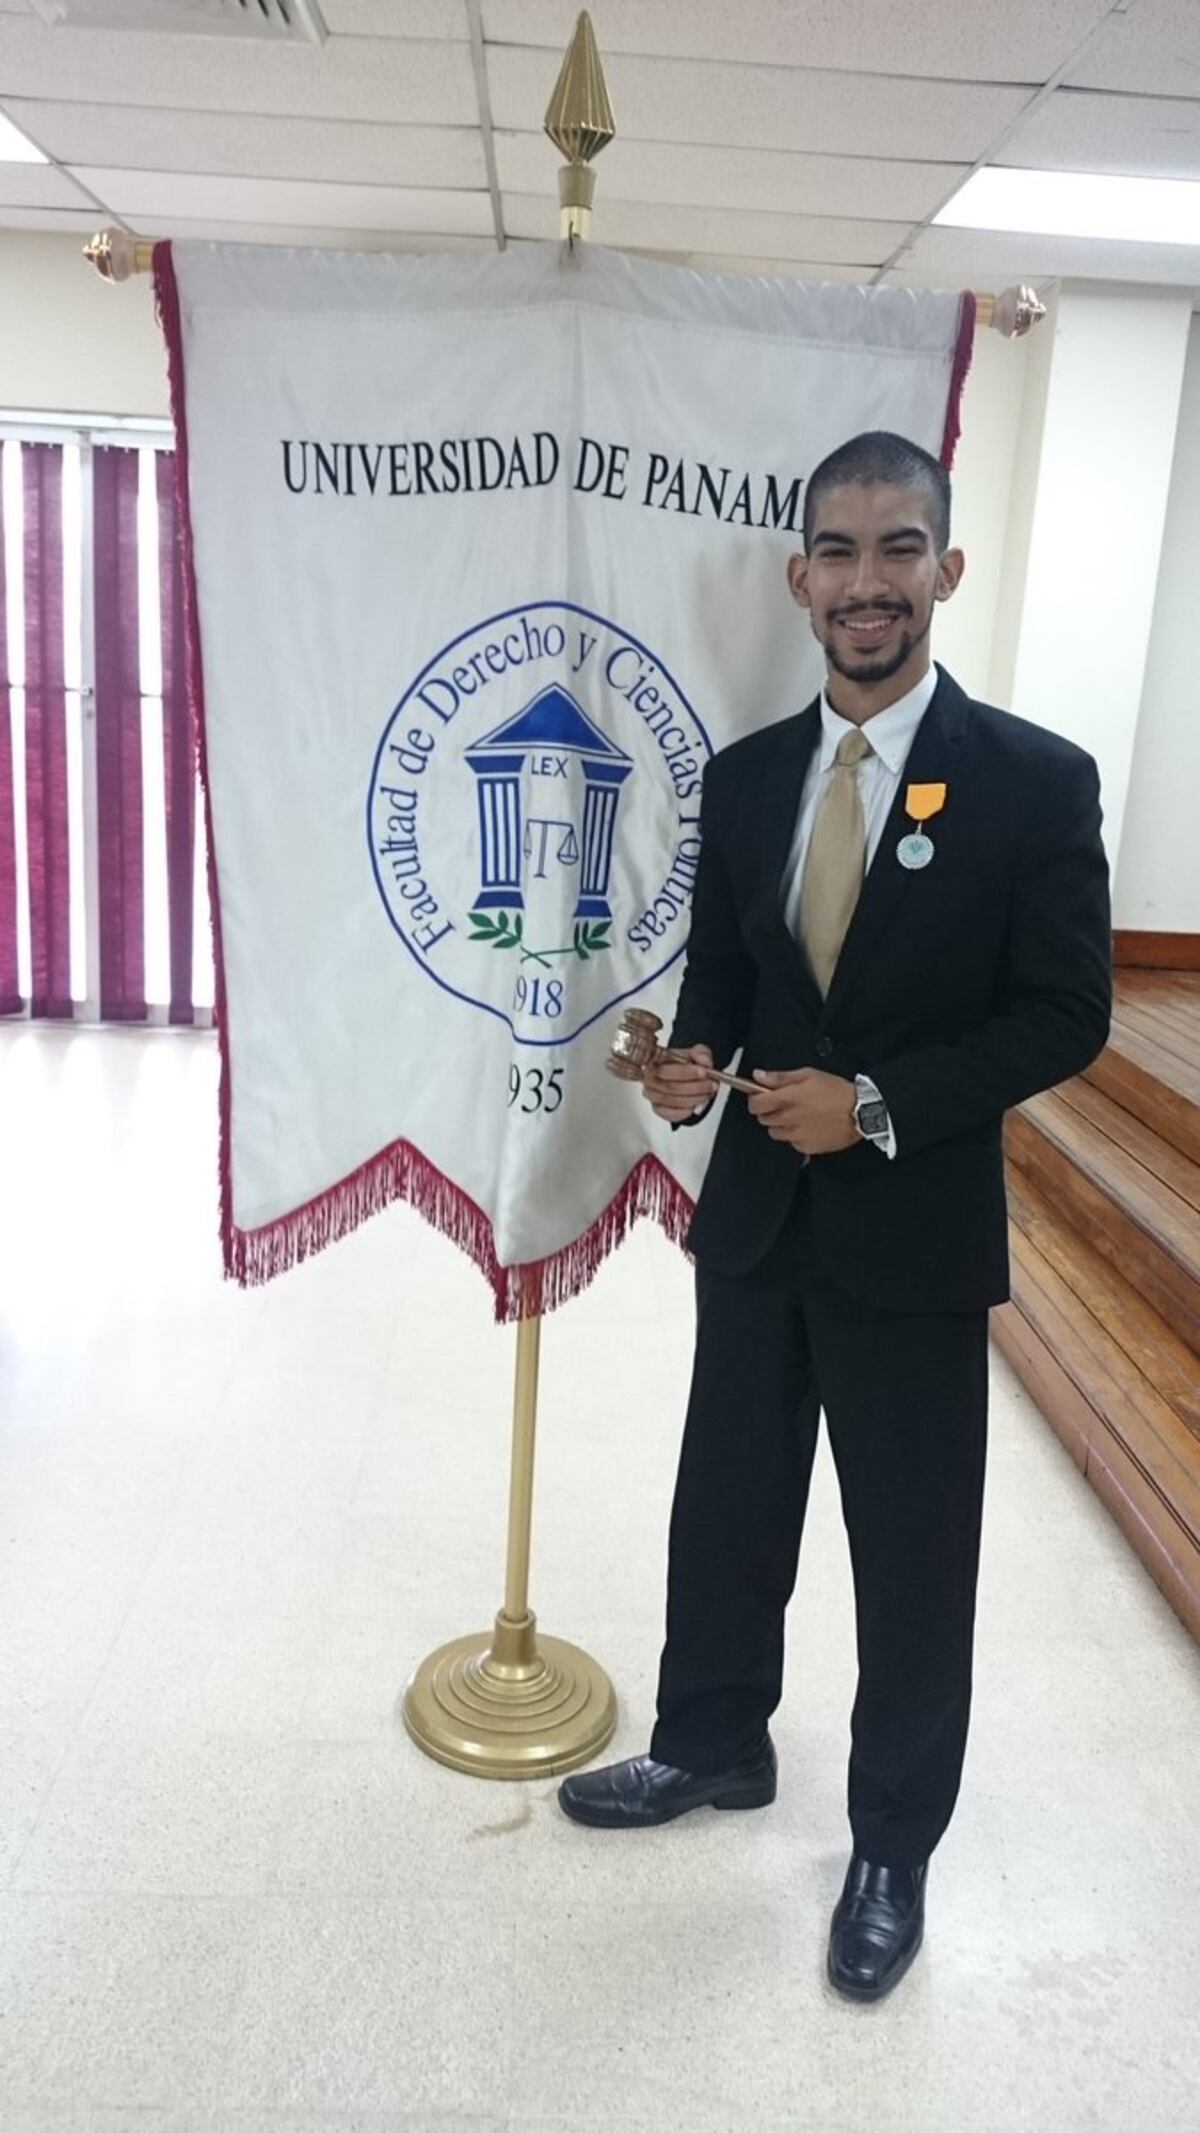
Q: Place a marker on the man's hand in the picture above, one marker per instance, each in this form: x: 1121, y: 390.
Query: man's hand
x: 812, y: 1112
x: 677, y: 1087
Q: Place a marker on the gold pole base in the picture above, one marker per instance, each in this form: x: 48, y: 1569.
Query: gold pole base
x: 510, y: 1705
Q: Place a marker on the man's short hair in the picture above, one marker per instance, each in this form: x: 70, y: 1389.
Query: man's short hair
x: 881, y: 456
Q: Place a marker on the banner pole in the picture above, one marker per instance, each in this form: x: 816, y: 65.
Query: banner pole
x: 116, y: 257
x: 511, y: 1706
x: 520, y: 1494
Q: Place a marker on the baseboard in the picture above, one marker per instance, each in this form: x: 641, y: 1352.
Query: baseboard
x: 1155, y: 951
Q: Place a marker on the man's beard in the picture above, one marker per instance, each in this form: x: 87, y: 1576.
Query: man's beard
x: 879, y: 669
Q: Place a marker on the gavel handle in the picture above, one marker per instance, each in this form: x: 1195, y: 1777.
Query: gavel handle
x: 735, y: 1081
x: 731, y: 1081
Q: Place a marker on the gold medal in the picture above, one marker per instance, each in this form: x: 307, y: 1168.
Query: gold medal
x: 921, y: 804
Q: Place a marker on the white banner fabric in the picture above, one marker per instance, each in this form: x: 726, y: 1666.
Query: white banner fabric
x: 488, y: 560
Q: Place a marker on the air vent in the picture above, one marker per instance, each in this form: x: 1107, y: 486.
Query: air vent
x: 276, y: 21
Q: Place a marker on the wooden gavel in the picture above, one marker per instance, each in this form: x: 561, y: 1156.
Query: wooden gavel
x: 636, y: 1047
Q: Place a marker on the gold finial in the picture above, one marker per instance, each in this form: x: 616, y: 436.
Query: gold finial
x: 116, y: 255
x: 580, y: 122
x: 1014, y: 313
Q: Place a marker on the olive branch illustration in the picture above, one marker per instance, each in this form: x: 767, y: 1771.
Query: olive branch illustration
x: 589, y: 937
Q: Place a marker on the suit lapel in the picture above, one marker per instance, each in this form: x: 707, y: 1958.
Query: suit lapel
x: 931, y: 759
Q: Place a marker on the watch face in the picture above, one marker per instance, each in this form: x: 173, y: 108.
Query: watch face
x: 872, y: 1118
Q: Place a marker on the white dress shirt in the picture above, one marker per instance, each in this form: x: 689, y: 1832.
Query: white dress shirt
x: 891, y: 734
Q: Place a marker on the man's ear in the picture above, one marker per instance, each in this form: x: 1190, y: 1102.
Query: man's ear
x: 797, y: 577
x: 949, y: 575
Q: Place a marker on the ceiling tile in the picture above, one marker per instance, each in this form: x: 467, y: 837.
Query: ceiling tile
x: 709, y: 229
x: 84, y: 220
x: 1023, y: 41
x: 144, y: 197
x: 380, y: 78
x: 386, y: 18
x: 1154, y: 50
x: 1076, y: 129
x: 769, y: 107
x: 223, y: 142
x: 765, y: 178
x: 992, y: 259
x: 774, y: 269
x: 183, y: 229
x: 40, y: 185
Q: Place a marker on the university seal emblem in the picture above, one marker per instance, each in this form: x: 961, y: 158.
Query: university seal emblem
x: 533, y: 818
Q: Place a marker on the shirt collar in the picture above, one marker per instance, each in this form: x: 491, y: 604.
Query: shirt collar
x: 891, y: 732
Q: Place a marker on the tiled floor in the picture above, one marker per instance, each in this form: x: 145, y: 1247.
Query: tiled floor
x: 233, y: 1896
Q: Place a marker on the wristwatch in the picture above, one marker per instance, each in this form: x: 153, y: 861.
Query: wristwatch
x: 871, y: 1115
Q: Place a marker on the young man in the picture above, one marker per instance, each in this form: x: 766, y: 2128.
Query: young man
x: 901, y: 921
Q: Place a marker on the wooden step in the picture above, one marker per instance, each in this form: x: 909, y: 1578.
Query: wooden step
x: 1146, y: 1228
x: 1152, y: 1352
x: 1159, y: 1157
x: 1130, y: 1441
x: 1151, y: 1064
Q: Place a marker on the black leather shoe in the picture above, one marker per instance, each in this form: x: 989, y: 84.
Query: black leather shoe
x: 877, y: 1927
x: 642, y: 1793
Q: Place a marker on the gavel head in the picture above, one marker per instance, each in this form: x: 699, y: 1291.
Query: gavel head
x: 635, y: 1044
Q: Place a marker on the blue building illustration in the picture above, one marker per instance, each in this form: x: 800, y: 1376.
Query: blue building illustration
x: 550, y: 732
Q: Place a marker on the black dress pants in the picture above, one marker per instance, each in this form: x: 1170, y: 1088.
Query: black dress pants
x: 905, y: 1402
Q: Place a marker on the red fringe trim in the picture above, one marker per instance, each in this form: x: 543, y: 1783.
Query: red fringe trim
x: 964, y: 348
x: 401, y: 1172
x: 166, y: 303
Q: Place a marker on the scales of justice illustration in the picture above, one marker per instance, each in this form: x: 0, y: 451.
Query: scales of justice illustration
x: 553, y: 749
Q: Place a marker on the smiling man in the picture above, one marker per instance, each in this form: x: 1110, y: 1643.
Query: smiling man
x: 901, y: 922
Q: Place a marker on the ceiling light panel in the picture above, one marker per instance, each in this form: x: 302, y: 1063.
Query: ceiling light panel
x: 988, y: 259
x: 14, y: 148
x: 1067, y: 203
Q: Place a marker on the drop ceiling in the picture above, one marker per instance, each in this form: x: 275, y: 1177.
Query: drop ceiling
x: 809, y: 137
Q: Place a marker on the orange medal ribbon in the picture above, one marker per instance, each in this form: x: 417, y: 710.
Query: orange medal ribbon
x: 923, y: 802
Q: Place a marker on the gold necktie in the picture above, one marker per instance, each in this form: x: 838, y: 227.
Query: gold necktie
x: 836, y: 862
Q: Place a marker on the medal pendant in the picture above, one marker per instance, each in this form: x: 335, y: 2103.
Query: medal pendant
x: 915, y: 851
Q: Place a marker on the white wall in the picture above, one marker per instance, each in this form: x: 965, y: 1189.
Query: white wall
x: 1103, y: 479
x: 69, y: 341
x: 1158, y: 874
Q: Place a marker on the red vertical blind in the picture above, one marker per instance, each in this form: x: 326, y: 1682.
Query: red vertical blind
x: 179, y: 755
x: 118, y: 735
x: 10, y: 986
x: 103, y: 908
x: 46, y: 734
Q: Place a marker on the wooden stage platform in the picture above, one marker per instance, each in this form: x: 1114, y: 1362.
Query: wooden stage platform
x: 1104, y: 1323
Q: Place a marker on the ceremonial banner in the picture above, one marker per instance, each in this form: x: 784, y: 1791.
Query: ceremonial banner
x: 487, y: 559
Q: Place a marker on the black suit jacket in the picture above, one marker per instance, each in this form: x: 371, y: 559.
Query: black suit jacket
x: 961, y: 990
